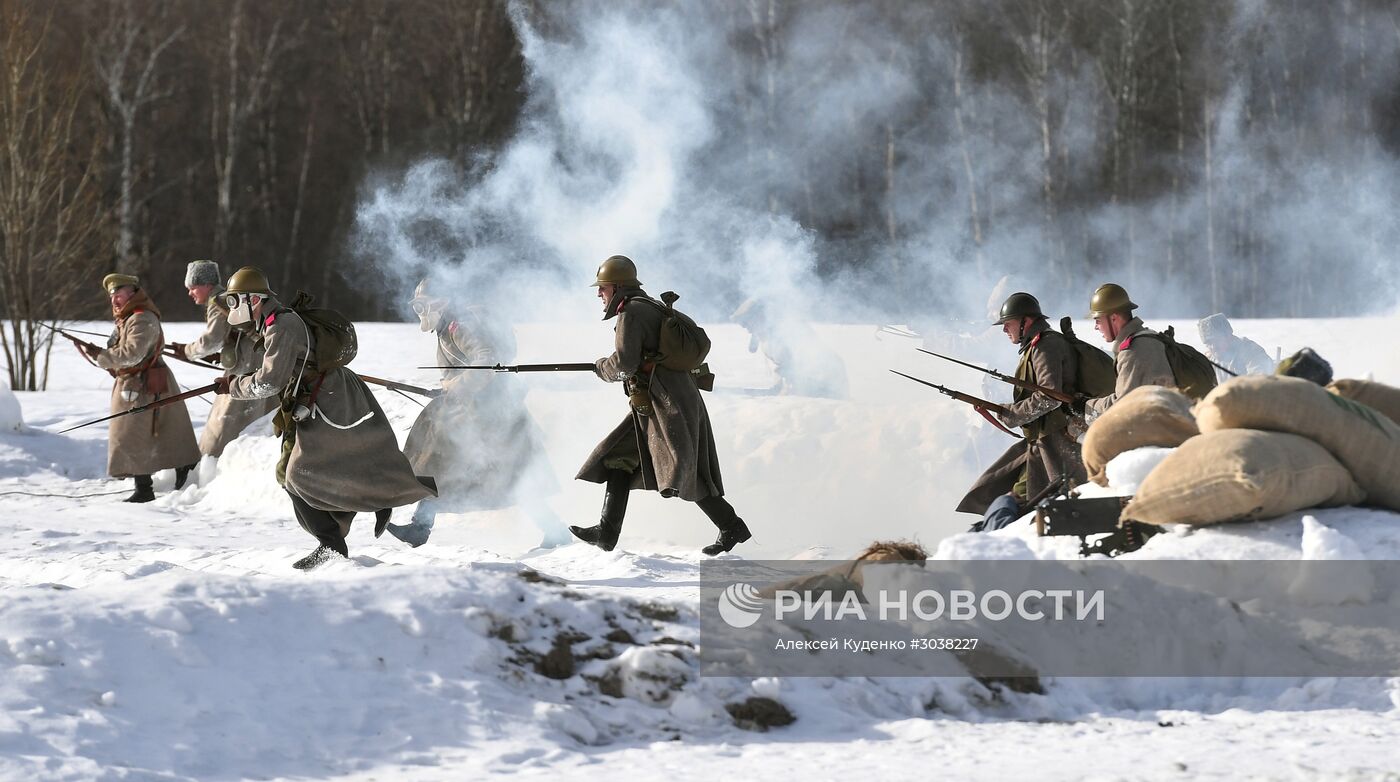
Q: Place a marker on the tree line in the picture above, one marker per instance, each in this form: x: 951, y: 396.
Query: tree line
x: 1146, y: 139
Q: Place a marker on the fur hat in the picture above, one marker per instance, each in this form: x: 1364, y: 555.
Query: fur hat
x: 201, y: 273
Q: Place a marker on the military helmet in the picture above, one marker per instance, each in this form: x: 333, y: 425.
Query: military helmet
x: 617, y: 270
x: 1108, y: 299
x: 249, y: 279
x: 113, y: 281
x: 1019, y: 305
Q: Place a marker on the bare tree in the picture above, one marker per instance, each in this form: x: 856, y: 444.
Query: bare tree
x: 126, y: 56
x: 51, y: 216
x: 248, y: 60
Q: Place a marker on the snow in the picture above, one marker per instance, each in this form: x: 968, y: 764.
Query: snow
x: 173, y: 640
x: 11, y: 418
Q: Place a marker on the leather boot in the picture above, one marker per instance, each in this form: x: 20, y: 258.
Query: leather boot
x: 732, y: 529
x: 182, y: 474
x: 604, y: 534
x: 144, y: 491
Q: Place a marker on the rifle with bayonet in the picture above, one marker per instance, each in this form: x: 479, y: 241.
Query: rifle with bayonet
x: 156, y: 405
x: 982, y: 406
x: 586, y: 366
x: 397, y: 386
x: 166, y: 350
x: 1058, y: 396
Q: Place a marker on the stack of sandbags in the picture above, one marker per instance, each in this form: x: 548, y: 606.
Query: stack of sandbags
x: 1241, y: 474
x: 1147, y: 416
x: 1364, y: 441
x: 1377, y: 396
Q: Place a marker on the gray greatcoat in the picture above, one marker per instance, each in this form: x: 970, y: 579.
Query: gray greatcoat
x: 159, y: 439
x: 679, y: 456
x: 238, y: 353
x: 477, y: 438
x: 1140, y: 362
x: 1049, y: 451
x: 343, y: 456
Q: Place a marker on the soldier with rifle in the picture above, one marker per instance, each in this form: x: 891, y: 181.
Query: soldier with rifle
x: 665, y: 443
x: 233, y: 349
x: 339, y: 454
x: 155, y: 439
x: 476, y: 438
x: 1044, y: 388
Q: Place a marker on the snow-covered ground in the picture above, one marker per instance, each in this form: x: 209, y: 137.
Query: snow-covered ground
x: 173, y: 640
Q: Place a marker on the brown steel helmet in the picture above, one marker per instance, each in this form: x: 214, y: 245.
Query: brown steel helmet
x: 1019, y: 305
x: 617, y: 270
x: 1108, y: 299
x: 249, y: 279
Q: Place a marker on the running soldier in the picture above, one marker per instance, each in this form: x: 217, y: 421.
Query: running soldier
x: 476, y: 439
x: 233, y: 349
x: 139, y: 445
x: 665, y: 443
x: 339, y: 454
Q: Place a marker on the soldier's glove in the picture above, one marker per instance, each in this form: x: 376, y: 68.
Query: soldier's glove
x: 90, y: 351
x: 179, y: 349
x: 1077, y: 406
x: 221, y: 384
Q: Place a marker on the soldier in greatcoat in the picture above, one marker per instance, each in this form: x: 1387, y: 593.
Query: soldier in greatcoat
x: 1049, y: 453
x: 665, y: 443
x: 477, y: 439
x: 233, y: 349
x: 339, y: 454
x: 1139, y: 354
x: 140, y: 444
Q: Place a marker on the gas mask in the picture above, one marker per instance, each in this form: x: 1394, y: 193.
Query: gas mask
x: 429, y: 312
x: 240, y: 310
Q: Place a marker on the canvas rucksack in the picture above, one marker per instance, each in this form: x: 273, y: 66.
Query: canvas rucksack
x: 683, y: 345
x: 1095, y: 373
x: 332, y: 334
x: 1195, y: 375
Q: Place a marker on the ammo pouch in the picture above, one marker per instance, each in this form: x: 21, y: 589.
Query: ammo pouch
x: 639, y: 393
x: 296, y: 408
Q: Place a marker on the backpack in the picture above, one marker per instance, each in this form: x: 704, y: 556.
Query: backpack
x: 1195, y: 375
x: 1095, y: 374
x: 683, y: 345
x: 332, y: 334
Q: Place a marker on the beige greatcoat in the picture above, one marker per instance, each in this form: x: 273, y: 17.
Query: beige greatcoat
x: 678, y: 455
x: 239, y: 355
x: 344, y: 457
x: 477, y: 438
x: 143, y: 443
x: 1140, y: 362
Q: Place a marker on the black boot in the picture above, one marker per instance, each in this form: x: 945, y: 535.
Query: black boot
x: 604, y: 534
x: 732, y: 529
x: 144, y: 492
x: 315, y: 559
x: 182, y: 474
x: 381, y: 520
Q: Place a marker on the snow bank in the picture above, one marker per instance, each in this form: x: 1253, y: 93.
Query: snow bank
x: 172, y: 640
x: 11, y: 419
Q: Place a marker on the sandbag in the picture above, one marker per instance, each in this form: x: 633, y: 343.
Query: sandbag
x: 1364, y: 441
x: 1146, y: 416
x: 1241, y: 475
x: 1377, y: 396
